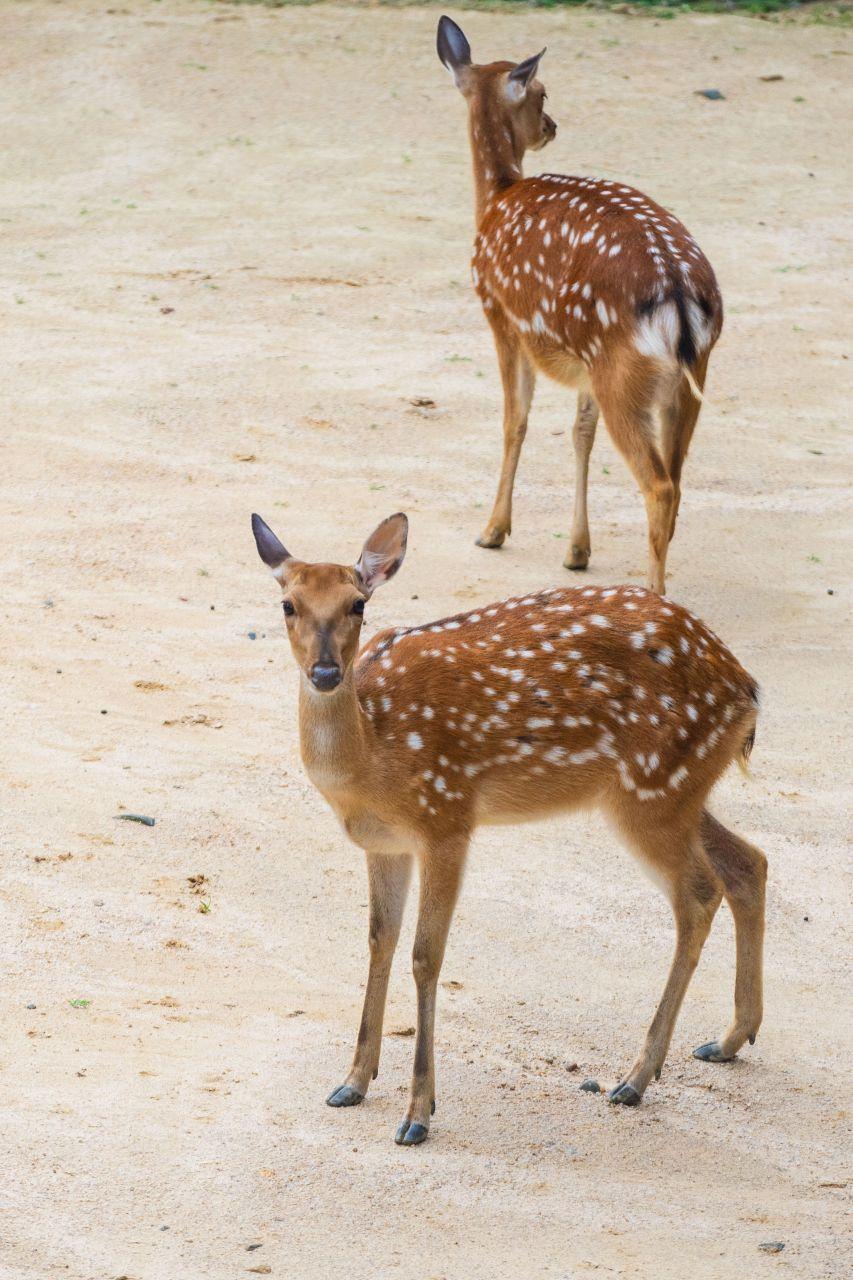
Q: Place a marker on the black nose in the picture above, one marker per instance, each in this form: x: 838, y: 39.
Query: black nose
x: 325, y: 676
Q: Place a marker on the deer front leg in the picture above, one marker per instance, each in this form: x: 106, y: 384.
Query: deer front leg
x: 388, y: 878
x: 441, y: 876
x: 518, y: 379
x: 583, y: 437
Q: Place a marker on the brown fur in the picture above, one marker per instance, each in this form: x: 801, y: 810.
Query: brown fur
x: 592, y: 283
x: 606, y: 697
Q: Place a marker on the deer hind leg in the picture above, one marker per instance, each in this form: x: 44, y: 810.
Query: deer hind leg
x: 696, y: 894
x: 518, y: 379
x: 388, y: 878
x: 743, y: 871
x: 583, y: 437
x: 678, y: 420
x: 627, y: 395
x: 441, y: 876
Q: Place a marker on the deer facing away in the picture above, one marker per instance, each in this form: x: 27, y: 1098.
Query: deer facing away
x: 592, y: 283
x: 608, y: 697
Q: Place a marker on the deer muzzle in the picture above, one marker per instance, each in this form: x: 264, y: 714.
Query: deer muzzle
x: 325, y: 676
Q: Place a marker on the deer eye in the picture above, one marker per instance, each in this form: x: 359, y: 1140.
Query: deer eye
x: 288, y: 608
x: 358, y: 607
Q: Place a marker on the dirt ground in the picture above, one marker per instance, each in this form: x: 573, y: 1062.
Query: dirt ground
x: 235, y: 247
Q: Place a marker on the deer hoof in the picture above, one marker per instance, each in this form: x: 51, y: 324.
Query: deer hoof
x: 491, y: 539
x: 411, y: 1134
x: 711, y: 1052
x: 344, y: 1096
x: 578, y: 559
x: 624, y: 1095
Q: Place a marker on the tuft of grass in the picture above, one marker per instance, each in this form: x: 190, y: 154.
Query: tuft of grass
x: 828, y: 12
x: 670, y: 8
x: 79, y: 1004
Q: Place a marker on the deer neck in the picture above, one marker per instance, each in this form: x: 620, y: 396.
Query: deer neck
x: 496, y: 161
x: 333, y: 735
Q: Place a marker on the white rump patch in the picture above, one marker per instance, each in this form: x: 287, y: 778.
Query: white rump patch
x: 657, y: 334
x: 700, y: 325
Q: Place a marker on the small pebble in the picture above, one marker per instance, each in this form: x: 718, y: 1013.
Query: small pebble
x: 253, y: 635
x: 591, y: 1086
x: 713, y: 95
x: 31, y: 1006
x: 772, y: 1246
x: 136, y: 817
x: 103, y: 711
x: 571, y: 1066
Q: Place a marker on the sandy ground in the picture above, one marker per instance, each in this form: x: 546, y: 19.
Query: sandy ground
x: 235, y: 248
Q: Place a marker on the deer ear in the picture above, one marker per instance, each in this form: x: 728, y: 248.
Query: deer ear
x: 272, y: 552
x: 382, y: 554
x: 518, y: 80
x: 453, y: 50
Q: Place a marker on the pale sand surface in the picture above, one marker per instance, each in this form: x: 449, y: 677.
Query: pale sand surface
x: 295, y: 185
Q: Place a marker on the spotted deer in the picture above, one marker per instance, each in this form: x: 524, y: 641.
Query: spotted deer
x: 592, y: 283
x: 609, y: 697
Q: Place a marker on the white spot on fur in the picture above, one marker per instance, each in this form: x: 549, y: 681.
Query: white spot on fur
x: 676, y: 778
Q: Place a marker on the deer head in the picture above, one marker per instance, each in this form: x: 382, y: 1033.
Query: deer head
x: 324, y: 603
x: 507, y: 95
